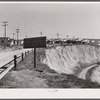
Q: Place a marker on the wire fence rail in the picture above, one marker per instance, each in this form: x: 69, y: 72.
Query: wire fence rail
x: 12, y: 64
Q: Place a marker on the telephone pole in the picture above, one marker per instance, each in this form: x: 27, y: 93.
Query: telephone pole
x: 41, y: 34
x: 67, y: 37
x: 57, y: 35
x: 13, y: 35
x: 13, y: 39
x: 73, y: 37
x: 17, y: 30
x: 5, y: 23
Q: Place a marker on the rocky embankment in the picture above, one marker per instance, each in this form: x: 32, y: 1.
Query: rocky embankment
x: 82, y: 61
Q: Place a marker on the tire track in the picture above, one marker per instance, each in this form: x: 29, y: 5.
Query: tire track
x: 86, y: 73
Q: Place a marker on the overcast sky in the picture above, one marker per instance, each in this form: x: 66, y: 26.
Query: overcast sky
x: 79, y: 20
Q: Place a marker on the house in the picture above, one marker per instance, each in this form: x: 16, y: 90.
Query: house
x: 5, y: 41
x: 16, y: 42
x: 10, y: 42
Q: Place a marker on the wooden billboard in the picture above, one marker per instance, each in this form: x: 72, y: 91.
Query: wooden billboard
x: 37, y: 42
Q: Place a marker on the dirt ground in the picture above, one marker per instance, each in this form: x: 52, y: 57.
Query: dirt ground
x: 26, y: 76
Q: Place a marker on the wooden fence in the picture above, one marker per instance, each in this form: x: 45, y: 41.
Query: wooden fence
x: 12, y: 64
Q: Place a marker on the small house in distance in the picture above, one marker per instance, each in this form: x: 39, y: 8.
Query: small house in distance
x: 10, y: 42
x: 5, y: 41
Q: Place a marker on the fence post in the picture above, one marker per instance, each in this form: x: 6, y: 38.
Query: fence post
x: 15, y: 63
x: 22, y: 57
x: 25, y: 54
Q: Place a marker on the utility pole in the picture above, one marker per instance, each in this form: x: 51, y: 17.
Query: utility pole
x: 5, y: 23
x: 67, y: 37
x: 26, y: 36
x: 73, y: 37
x: 57, y: 35
x: 17, y: 30
x: 41, y: 34
x: 13, y: 35
x: 13, y: 39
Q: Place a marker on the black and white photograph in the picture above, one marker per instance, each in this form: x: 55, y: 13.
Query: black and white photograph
x: 49, y: 45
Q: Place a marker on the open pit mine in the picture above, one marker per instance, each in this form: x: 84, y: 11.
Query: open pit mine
x: 82, y: 61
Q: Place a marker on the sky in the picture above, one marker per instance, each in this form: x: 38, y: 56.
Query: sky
x: 81, y: 20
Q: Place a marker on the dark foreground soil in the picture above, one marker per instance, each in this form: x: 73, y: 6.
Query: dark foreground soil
x: 26, y: 76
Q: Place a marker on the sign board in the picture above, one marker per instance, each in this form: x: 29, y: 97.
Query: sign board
x: 38, y: 42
